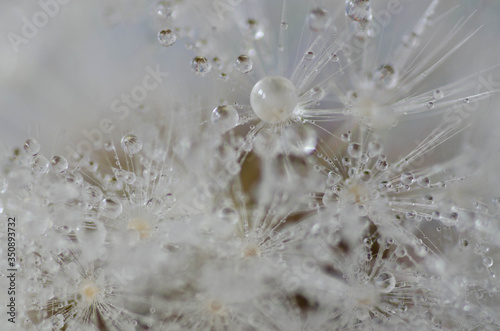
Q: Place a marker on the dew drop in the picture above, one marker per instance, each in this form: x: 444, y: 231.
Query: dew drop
x: 333, y: 179
x: 334, y: 58
x: 381, y: 165
x: 354, y: 150
x: 155, y: 205
x: 59, y: 164
x: 32, y: 146
x: 410, y: 40
x: 346, y: 136
x: 274, y: 99
x: 310, y: 55
x: 254, y: 29
x: 167, y: 37
x: 407, y: 178
x: 39, y: 165
x: 131, y: 144
x: 243, y: 64
x: 358, y: 10
x: 111, y: 207
x: 385, y: 282
x: 201, y: 66
x: 386, y: 76
x: 424, y: 182
x: 284, y: 25
x: 487, y: 262
x: 92, y: 194
x: 374, y: 149
x: 430, y: 105
x: 365, y: 175
x: 330, y: 199
x: 318, y: 19
x: 164, y: 9
x: 224, y: 118
x: 438, y: 94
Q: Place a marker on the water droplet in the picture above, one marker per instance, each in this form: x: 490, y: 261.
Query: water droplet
x: 410, y: 40
x: 358, y: 10
x: 354, y: 150
x: 310, y: 55
x: 374, y: 149
x: 39, y: 165
x: 254, y: 29
x: 274, y: 99
x: 438, y: 94
x: 430, y: 105
x: 487, y: 262
x: 155, y: 205
x: 318, y: 19
x: 386, y: 76
x: 164, y: 9
x: 32, y: 146
x: 423, y: 182
x: 407, y: 178
x: 167, y: 37
x: 346, y: 136
x: 466, y: 100
x: 92, y: 194
x: 316, y: 93
x: 74, y: 178
x: 243, y: 64
x: 59, y: 164
x: 365, y: 175
x: 139, y: 197
x: 131, y: 144
x: 201, y: 66
x: 284, y: 25
x: 381, y: 165
x: 224, y: 118
x: 385, y: 282
x: 334, y: 58
x: 330, y: 199
x: 333, y: 179
x: 111, y: 207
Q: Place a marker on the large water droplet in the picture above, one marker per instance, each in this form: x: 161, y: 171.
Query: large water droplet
x: 92, y: 194
x: 385, y: 282
x: 201, y: 66
x: 32, y: 146
x: 274, y: 99
x: 407, y: 178
x: 39, y: 165
x: 318, y: 19
x: 224, y: 118
x: 59, y: 164
x: 386, y: 76
x: 354, y: 150
x: 358, y: 10
x: 167, y: 37
x: 243, y: 64
x: 131, y: 144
